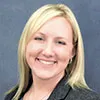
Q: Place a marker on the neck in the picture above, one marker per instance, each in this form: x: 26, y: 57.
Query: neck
x: 42, y: 88
x: 45, y: 85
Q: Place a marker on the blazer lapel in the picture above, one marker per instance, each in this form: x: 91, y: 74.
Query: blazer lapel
x: 61, y: 90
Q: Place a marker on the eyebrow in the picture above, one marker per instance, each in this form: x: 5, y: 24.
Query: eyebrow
x: 58, y: 37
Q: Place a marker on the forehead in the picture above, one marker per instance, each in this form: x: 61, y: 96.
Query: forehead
x: 57, y: 26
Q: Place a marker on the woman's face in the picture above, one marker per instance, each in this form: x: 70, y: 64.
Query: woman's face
x: 49, y: 50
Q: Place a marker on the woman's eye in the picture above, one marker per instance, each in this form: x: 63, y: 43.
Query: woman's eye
x: 38, y: 38
x: 61, y: 42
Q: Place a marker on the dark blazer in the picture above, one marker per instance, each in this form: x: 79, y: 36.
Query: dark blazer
x: 64, y: 92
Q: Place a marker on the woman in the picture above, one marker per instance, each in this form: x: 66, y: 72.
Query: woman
x: 51, y: 58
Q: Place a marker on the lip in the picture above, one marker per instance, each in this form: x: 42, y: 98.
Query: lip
x: 46, y: 61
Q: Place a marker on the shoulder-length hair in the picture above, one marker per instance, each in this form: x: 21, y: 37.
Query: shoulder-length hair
x: 75, y: 69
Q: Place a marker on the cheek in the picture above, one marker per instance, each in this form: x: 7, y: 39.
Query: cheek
x: 30, y: 51
x: 63, y: 54
x: 31, y: 48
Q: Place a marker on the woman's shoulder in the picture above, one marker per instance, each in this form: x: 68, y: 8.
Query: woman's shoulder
x: 10, y: 95
x: 84, y: 94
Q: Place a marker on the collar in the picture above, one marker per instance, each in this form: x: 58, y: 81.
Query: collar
x: 61, y: 90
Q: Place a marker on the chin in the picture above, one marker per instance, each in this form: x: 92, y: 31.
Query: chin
x: 45, y: 75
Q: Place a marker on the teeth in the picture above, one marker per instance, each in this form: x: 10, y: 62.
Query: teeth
x: 45, y: 62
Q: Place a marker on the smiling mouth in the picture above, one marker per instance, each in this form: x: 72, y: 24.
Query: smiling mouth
x: 46, y: 62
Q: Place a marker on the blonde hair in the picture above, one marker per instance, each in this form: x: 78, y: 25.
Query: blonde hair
x: 35, y: 22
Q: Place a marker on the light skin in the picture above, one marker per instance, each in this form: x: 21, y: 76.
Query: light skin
x: 48, y: 52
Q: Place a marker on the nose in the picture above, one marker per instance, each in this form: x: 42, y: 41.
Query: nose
x: 48, y: 50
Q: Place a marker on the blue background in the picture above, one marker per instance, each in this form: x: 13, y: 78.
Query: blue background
x: 13, y: 16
